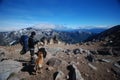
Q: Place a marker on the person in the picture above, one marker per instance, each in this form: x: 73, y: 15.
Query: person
x: 31, y: 44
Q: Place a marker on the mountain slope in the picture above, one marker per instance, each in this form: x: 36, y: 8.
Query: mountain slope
x: 67, y: 36
x: 112, y: 34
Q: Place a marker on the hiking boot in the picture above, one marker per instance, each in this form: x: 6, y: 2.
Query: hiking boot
x: 32, y: 62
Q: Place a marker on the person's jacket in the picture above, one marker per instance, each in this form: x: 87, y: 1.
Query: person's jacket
x: 31, y: 42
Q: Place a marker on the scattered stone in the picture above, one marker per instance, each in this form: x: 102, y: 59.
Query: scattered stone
x: 92, y: 67
x: 50, y: 68
x: 81, y: 50
x: 76, y: 51
x: 116, y: 51
x: 67, y: 77
x: 54, y: 50
x: 7, y: 67
x: 90, y: 58
x: 116, y: 70
x: 94, y: 52
x: 105, y: 60
x: 68, y: 51
x: 117, y: 64
x: 2, y: 55
x: 78, y: 57
x: 108, y: 70
x: 77, y: 63
x: 72, y: 62
x: 74, y: 73
x: 105, y: 52
x: 54, y: 62
x: 86, y: 74
x: 59, y: 75
x: 82, y: 62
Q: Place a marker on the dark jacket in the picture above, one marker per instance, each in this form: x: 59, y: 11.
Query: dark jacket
x: 31, y: 42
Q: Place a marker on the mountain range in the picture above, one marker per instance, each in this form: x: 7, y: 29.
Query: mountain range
x: 63, y: 33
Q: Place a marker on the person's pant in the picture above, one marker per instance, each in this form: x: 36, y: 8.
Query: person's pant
x: 32, y: 56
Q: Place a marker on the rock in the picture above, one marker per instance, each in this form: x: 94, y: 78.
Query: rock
x: 92, y: 67
x: 7, y: 67
x: 54, y: 62
x: 86, y: 75
x: 105, y: 60
x: 81, y: 50
x: 50, y: 68
x: 2, y: 55
x: 54, y: 50
x: 105, y: 52
x: 13, y: 76
x: 74, y: 73
x: 108, y: 70
x: 116, y: 70
x: 90, y: 58
x: 76, y: 51
x: 116, y: 51
x: 94, y: 52
x: 67, y: 51
x: 117, y: 64
x: 59, y: 75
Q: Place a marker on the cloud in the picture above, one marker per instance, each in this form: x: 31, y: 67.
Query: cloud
x: 10, y: 25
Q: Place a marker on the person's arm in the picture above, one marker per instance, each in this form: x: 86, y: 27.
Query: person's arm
x: 36, y: 41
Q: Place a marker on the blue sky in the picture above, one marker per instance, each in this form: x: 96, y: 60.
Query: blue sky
x: 17, y: 14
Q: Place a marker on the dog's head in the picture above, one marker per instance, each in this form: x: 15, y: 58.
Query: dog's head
x: 42, y: 51
x: 40, y: 54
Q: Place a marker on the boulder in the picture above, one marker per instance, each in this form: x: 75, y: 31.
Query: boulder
x: 54, y: 62
x: 105, y: 52
x: 2, y: 55
x: 94, y: 51
x: 105, y: 60
x: 54, y: 50
x: 59, y: 75
x: 68, y: 51
x: 92, y: 67
x: 90, y: 58
x: 74, y: 73
x: 49, y: 68
x: 76, y: 51
x: 116, y: 70
x: 7, y: 67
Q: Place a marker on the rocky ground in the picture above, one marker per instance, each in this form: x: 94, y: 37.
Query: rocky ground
x: 63, y: 62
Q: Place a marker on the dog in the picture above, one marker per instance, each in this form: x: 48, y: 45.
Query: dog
x: 41, y: 54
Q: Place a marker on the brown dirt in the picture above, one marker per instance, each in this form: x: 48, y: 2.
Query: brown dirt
x: 103, y: 71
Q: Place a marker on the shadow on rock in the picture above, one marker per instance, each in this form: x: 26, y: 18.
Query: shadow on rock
x: 54, y: 75
x: 71, y: 73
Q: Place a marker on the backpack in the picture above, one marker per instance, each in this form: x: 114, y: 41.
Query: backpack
x: 24, y: 43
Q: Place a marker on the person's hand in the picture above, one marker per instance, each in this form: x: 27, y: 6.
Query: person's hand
x: 37, y: 41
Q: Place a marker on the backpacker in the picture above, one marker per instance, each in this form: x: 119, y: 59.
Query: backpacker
x: 24, y: 43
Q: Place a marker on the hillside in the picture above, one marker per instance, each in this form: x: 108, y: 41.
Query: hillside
x: 112, y: 34
x: 68, y: 36
x: 59, y: 62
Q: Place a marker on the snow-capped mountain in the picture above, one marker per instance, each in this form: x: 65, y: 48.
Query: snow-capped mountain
x: 48, y: 31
